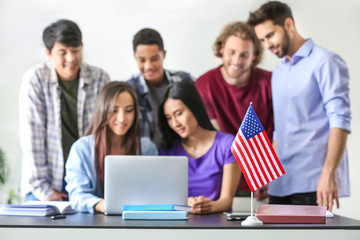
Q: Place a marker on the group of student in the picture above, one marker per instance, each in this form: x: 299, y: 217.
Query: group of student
x: 72, y: 115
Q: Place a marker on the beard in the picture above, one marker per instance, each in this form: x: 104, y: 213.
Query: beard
x: 285, y: 45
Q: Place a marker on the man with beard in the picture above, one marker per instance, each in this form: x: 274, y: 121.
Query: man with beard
x: 228, y: 89
x: 310, y: 89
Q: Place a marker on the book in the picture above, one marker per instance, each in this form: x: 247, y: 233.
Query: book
x: 157, y: 207
x: 154, y: 215
x: 275, y: 213
x: 37, y: 208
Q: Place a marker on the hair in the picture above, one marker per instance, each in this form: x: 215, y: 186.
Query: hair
x: 187, y: 93
x: 275, y: 11
x: 104, y: 108
x: 62, y: 31
x: 243, y: 31
x: 148, y: 36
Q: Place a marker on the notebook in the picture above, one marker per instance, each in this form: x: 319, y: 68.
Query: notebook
x: 37, y: 208
x: 273, y: 213
x: 144, y: 180
x: 155, y: 215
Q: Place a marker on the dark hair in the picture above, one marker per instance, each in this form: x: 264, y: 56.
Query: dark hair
x: 275, y: 11
x: 243, y: 31
x: 62, y: 31
x: 104, y: 108
x: 148, y: 36
x: 187, y: 93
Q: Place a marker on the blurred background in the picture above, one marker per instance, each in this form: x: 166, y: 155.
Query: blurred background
x: 188, y: 28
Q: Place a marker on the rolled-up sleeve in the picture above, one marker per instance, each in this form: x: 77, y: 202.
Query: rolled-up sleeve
x: 334, y: 87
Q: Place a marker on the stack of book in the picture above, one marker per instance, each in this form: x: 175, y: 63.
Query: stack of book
x: 37, y: 208
x: 155, y: 212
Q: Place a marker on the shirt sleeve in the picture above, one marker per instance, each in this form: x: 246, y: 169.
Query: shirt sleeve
x: 148, y: 147
x: 80, y: 174
x: 228, y: 156
x: 32, y: 124
x: 333, y: 80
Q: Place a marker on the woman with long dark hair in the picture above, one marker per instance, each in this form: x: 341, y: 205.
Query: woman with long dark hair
x: 114, y: 130
x: 187, y: 131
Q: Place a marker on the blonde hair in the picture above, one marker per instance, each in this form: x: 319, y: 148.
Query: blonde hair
x: 243, y: 31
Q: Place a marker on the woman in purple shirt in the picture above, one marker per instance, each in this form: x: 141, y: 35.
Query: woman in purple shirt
x: 187, y: 131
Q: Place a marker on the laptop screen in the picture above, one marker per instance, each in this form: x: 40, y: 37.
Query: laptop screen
x: 137, y: 180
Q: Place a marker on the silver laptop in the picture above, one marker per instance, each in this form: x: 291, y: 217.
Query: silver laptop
x: 131, y: 180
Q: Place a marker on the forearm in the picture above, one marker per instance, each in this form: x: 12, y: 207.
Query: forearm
x: 335, y: 150
x: 327, y: 189
x: 231, y: 178
x: 221, y: 205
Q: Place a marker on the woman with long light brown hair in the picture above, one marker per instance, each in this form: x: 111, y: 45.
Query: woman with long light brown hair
x: 114, y: 130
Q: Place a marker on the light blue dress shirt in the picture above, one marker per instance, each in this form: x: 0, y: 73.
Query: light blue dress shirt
x: 310, y: 96
x: 82, y: 183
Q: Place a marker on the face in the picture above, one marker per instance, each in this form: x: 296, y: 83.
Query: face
x: 274, y: 37
x: 67, y: 60
x: 238, y: 56
x: 180, y: 118
x: 123, y: 115
x: 150, y: 62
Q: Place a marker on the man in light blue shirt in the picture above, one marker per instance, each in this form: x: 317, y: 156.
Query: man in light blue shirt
x: 310, y: 89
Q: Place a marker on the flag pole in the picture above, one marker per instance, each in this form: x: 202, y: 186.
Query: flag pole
x: 252, y: 220
x: 252, y: 198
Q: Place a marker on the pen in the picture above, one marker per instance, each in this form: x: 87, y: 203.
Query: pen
x: 60, y: 216
x: 235, y: 218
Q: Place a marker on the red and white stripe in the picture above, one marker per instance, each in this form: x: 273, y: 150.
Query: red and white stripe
x: 257, y: 159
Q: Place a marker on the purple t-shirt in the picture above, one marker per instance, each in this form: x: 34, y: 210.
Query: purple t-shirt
x: 205, y: 172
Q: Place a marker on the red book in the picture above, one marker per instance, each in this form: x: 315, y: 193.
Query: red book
x: 273, y: 213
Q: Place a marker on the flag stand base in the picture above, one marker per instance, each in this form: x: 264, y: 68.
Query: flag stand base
x: 251, y: 221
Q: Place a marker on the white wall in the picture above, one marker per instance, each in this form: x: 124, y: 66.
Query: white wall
x: 188, y: 28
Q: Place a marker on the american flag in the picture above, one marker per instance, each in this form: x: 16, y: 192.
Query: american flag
x: 254, y: 152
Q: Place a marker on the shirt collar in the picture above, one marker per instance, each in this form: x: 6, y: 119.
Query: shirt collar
x: 302, y: 52
x: 83, y: 79
x: 145, y: 89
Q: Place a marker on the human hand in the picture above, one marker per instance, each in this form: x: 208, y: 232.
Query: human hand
x: 261, y: 193
x: 57, y: 196
x: 200, y: 204
x: 327, y: 191
x: 100, y: 206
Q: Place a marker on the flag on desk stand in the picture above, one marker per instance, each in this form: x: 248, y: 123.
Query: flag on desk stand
x: 256, y: 157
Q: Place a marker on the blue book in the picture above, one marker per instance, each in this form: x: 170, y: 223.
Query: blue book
x: 154, y: 215
x: 156, y: 207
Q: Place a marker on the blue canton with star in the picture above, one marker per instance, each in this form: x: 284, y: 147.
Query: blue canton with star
x: 251, y: 125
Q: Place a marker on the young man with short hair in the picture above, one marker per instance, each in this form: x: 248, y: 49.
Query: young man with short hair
x: 152, y: 80
x: 57, y: 98
x: 312, y: 113
x: 228, y: 89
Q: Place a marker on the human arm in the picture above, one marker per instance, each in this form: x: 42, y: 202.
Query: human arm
x: 333, y: 80
x: 100, y: 206
x: 81, y: 177
x: 57, y: 196
x: 327, y: 189
x: 33, y: 127
x: 230, y: 180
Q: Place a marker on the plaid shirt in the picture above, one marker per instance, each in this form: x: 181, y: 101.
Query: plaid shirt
x: 40, y: 124
x: 147, y: 122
